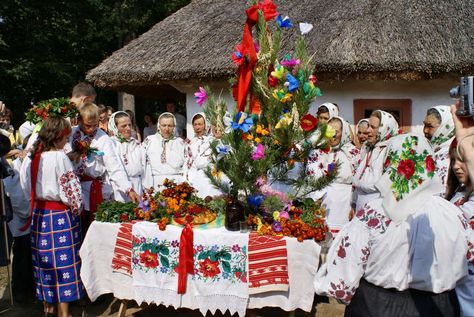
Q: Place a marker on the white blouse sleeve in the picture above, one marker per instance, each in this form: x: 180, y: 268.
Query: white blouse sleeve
x: 115, y: 168
x: 339, y: 277
x: 344, y: 170
x: 25, y: 176
x: 69, y: 185
x: 366, y: 180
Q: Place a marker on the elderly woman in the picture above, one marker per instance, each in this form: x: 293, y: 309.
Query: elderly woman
x: 198, y: 157
x: 438, y: 128
x: 337, y: 196
x: 404, y: 252
x: 164, y: 154
x: 128, y: 149
x: 382, y: 126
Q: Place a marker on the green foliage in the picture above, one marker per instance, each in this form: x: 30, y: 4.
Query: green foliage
x: 46, y: 47
x: 112, y: 211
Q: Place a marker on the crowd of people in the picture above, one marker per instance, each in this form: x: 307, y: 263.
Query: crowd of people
x: 401, y: 208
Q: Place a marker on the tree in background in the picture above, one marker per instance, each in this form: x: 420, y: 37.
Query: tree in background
x: 46, y: 47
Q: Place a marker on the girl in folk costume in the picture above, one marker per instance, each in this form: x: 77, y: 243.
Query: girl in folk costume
x: 382, y: 126
x: 97, y: 164
x: 164, y: 154
x: 56, y: 201
x: 439, y: 130
x: 337, y: 196
x: 460, y: 193
x: 198, y: 157
x: 129, y: 150
x: 392, y: 258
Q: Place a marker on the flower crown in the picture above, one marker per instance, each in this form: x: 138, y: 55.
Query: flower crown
x: 408, y: 169
x: 51, y: 108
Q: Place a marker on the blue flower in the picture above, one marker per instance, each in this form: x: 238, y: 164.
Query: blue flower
x: 284, y: 22
x: 222, y: 150
x: 293, y: 83
x: 242, y: 122
x: 255, y: 201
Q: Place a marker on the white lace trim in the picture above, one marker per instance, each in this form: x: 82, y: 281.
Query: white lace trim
x: 212, y: 303
x: 151, y: 294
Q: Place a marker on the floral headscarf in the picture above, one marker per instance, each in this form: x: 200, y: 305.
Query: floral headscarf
x: 346, y: 132
x: 409, y: 177
x: 333, y: 111
x: 113, y: 127
x: 388, y: 126
x: 445, y: 131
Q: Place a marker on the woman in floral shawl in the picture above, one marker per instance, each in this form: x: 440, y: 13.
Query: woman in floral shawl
x: 439, y: 130
x: 404, y: 252
x: 344, y: 156
x: 382, y: 126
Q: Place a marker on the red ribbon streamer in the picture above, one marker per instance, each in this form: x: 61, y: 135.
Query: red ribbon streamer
x: 34, y: 176
x: 95, y: 195
x: 241, y: 89
x: 186, y: 257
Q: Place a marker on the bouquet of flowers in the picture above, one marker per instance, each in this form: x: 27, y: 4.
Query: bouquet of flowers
x: 50, y: 108
x: 270, y: 133
x: 83, y: 147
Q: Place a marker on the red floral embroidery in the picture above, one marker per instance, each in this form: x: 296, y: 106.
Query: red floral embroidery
x: 430, y: 164
x: 342, y: 291
x: 72, y: 193
x: 209, y: 268
x: 406, y: 168
x: 149, y: 259
x: 373, y: 219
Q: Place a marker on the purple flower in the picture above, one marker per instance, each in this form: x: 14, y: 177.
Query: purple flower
x: 200, y: 96
x: 276, y: 226
x: 142, y: 239
x: 199, y: 248
x: 135, y: 260
x: 144, y: 205
x: 236, y: 248
x: 175, y: 243
x: 259, y: 152
x: 289, y: 61
x: 284, y: 215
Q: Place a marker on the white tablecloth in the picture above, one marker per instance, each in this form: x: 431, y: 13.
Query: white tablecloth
x: 98, y: 278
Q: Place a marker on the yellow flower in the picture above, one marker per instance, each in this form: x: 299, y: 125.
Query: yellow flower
x: 216, y: 173
x: 330, y: 132
x: 257, y: 140
x: 249, y: 137
x: 286, y: 98
x: 276, y: 215
x: 285, y: 121
x: 278, y: 72
x: 261, y: 130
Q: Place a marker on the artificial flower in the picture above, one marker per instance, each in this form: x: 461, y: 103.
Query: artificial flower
x: 269, y: 9
x: 272, y: 81
x: 312, y: 79
x: 292, y: 83
x: 289, y: 61
x: 242, y: 122
x: 330, y: 132
x: 276, y: 215
x: 278, y: 72
x: 276, y: 226
x: 261, y: 130
x: 255, y: 201
x: 284, y: 22
x: 227, y: 119
x: 200, y: 96
x: 282, y: 96
x: 238, y: 55
x: 222, y: 150
x: 308, y: 122
x: 285, y: 120
x: 259, y: 152
x: 305, y: 28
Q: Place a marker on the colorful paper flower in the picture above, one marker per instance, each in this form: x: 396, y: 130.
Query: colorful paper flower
x: 282, y: 96
x: 285, y: 120
x: 284, y: 22
x: 242, y: 122
x: 269, y: 9
x: 293, y: 83
x: 200, y: 96
x: 255, y: 201
x: 259, y: 152
x: 278, y: 72
x: 238, y: 56
x: 313, y: 79
x: 289, y: 61
x: 305, y: 28
x: 222, y: 150
x: 272, y: 81
x: 308, y: 122
x: 330, y: 132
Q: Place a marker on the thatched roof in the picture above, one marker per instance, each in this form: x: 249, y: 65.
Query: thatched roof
x: 389, y: 39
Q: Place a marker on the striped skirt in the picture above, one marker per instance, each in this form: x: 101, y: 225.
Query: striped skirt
x: 55, y: 243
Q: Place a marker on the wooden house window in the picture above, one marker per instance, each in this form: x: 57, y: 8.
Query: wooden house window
x: 399, y: 108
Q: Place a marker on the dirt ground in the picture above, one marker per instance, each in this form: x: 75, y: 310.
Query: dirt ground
x: 107, y: 305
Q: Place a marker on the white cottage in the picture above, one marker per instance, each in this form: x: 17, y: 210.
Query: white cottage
x: 399, y: 56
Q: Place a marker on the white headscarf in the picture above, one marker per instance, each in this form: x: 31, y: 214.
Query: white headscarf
x: 346, y: 132
x: 207, y: 126
x: 359, y: 123
x: 113, y: 127
x: 333, y: 111
x: 445, y: 131
x: 174, y: 120
x: 388, y: 127
x: 409, y: 178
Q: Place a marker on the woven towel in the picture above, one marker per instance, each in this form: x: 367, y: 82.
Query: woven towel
x: 268, y: 264
x: 122, y: 258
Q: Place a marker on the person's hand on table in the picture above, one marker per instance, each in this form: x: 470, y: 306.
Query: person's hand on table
x: 133, y: 196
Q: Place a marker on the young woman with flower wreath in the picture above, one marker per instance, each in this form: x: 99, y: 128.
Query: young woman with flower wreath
x: 48, y: 179
x: 403, y: 253
x: 382, y: 126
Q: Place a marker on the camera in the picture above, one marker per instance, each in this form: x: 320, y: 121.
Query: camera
x: 466, y: 96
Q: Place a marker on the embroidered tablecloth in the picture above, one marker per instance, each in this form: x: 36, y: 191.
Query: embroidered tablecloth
x: 98, y: 277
